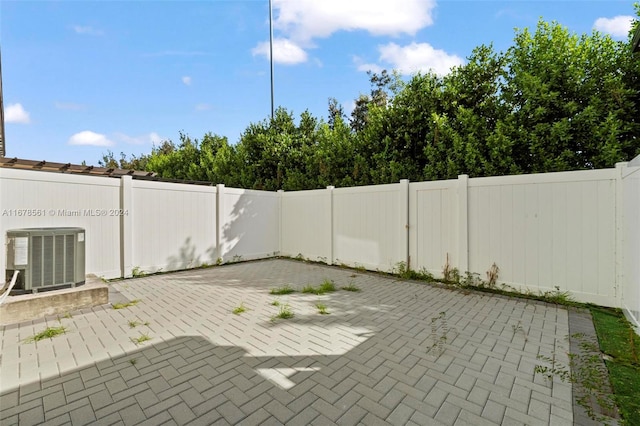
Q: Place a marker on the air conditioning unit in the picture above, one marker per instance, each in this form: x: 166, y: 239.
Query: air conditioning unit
x: 47, y: 258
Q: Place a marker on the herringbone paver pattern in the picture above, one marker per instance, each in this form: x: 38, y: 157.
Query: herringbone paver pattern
x: 374, y: 360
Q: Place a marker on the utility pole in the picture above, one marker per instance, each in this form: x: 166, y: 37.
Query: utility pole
x: 271, y: 52
x: 2, y: 138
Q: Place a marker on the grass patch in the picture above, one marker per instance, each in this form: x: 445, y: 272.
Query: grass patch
x: 621, y: 345
x: 351, y: 287
x: 47, y: 333
x: 285, y: 289
x: 326, y: 287
x: 275, y: 303
x: 322, y: 309
x: 239, y: 309
x: 125, y: 305
x: 133, y: 323
x: 140, y: 339
x: 285, y: 312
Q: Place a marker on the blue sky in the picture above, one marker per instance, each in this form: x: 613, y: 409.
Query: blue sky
x: 84, y: 77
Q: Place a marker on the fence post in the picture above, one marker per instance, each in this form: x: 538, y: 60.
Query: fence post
x: 404, y: 223
x: 280, y: 195
x: 463, y: 224
x: 618, y: 286
x: 220, y: 222
x: 126, y: 226
x: 331, y: 231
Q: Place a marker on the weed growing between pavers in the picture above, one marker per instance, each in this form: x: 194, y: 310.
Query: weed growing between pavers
x: 518, y: 328
x: 351, y: 287
x: 285, y: 289
x: 275, y: 302
x: 239, y: 309
x: 439, y: 335
x: 327, y: 286
x: 588, y: 376
x: 125, y: 305
x: 322, y: 309
x: 47, y: 333
x: 137, y: 322
x: 144, y: 337
x: 285, y: 312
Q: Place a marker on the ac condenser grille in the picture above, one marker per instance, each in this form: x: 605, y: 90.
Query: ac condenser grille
x: 70, y: 254
x: 59, y: 260
x: 47, y: 257
x: 36, y: 262
x: 47, y: 260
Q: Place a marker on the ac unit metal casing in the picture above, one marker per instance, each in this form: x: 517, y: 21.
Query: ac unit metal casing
x: 47, y: 258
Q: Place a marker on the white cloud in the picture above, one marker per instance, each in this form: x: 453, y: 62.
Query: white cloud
x: 416, y: 57
x: 148, y: 139
x: 89, y: 138
x: 186, y: 80
x: 362, y: 66
x: 88, y: 30
x: 16, y: 114
x: 307, y: 19
x: 618, y: 26
x: 284, y: 51
x: 203, y: 107
x: 302, y: 21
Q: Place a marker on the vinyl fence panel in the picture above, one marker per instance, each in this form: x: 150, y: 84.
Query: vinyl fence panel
x: 173, y: 225
x: 31, y: 199
x: 307, y: 224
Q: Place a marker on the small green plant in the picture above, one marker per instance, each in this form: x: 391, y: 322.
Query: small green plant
x: 285, y: 312
x: 558, y: 297
x: 236, y: 258
x: 276, y: 302
x: 327, y: 286
x: 472, y: 279
x: 219, y: 261
x: 309, y: 289
x: 133, y: 323
x: 67, y: 315
x: 439, y: 334
x: 359, y: 268
x: 322, y: 309
x: 351, y: 287
x: 299, y: 257
x: 588, y: 375
x: 47, y: 333
x: 137, y: 272
x: 518, y: 328
x: 285, y: 289
x: 133, y: 361
x: 125, y: 305
x: 140, y: 339
x: 403, y: 271
x: 239, y: 309
x: 450, y: 274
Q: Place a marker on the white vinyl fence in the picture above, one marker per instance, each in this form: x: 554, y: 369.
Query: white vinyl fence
x: 630, y: 241
x: 573, y: 231
x: 31, y: 199
x: 139, y: 226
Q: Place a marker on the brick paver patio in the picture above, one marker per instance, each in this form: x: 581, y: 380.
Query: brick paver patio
x: 375, y: 359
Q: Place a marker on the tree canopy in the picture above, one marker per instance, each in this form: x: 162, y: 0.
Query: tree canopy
x: 553, y: 101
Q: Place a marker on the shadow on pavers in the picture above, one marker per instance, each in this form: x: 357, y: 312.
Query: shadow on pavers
x: 183, y: 379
